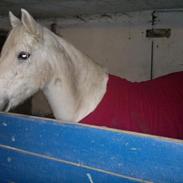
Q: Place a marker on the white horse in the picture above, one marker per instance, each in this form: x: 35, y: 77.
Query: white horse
x: 34, y: 58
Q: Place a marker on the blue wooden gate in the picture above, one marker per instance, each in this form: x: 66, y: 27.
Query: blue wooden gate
x: 42, y: 150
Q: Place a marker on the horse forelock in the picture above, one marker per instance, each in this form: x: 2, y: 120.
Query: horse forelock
x: 18, y: 39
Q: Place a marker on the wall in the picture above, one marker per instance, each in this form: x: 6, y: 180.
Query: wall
x: 115, y: 47
x: 114, y: 43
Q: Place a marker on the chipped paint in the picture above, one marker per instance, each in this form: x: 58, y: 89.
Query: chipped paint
x: 9, y: 159
x: 90, y: 177
x: 13, y: 139
x: 4, y: 124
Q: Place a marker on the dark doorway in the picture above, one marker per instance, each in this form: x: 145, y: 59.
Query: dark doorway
x: 3, y: 36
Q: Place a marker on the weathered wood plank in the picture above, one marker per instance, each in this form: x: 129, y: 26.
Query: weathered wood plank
x: 40, y: 149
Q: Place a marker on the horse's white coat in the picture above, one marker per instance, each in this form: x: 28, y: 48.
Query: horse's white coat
x: 73, y: 84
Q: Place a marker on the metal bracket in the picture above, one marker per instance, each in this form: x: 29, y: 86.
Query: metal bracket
x: 158, y: 33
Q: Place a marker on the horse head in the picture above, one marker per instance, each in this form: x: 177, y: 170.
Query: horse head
x: 34, y: 58
x: 23, y: 63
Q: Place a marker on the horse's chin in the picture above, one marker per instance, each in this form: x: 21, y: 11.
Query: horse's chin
x: 7, y: 109
x: 6, y: 106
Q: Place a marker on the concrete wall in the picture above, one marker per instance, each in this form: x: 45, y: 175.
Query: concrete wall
x: 168, y: 52
x: 115, y: 47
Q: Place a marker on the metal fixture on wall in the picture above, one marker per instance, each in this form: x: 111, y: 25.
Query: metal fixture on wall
x: 155, y: 33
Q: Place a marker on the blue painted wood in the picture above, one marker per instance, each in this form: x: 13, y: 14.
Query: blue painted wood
x: 42, y: 150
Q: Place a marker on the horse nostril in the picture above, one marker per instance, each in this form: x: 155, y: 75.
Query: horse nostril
x: 5, y: 104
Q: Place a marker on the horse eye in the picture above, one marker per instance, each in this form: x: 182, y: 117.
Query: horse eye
x: 23, y: 55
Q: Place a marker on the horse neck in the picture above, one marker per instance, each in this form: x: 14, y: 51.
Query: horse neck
x: 77, y: 86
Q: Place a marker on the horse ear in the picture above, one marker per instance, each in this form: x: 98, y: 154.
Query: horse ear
x: 14, y: 21
x: 29, y: 23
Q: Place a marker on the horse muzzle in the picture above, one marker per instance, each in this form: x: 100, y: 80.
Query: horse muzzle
x: 4, y: 105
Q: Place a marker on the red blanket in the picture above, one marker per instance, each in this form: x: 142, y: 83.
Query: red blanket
x: 153, y: 107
